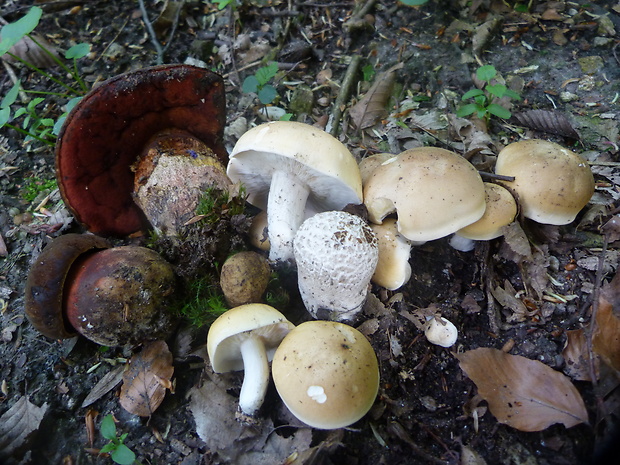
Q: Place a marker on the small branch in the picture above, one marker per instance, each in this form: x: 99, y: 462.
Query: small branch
x: 345, y: 90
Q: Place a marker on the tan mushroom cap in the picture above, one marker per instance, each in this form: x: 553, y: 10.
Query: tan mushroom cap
x: 393, y: 269
x: 553, y: 183
x: 326, y: 373
x: 315, y: 156
x: 434, y: 192
x: 501, y: 210
x: 369, y: 164
x: 235, y: 325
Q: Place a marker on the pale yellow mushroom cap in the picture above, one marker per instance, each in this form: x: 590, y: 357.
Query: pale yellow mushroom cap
x: 393, y: 269
x: 434, y: 192
x: 369, y: 164
x: 553, y: 183
x: 326, y: 373
x: 501, y: 211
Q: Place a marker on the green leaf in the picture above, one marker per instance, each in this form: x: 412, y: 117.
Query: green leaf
x: 267, y: 94
x: 413, y: 2
x: 77, y: 51
x: 496, y: 89
x: 512, y: 94
x: 369, y: 72
x: 108, y: 427
x: 466, y: 110
x: 250, y: 84
x: 499, y: 111
x: 46, y: 122
x: 472, y: 93
x: 123, y: 455
x: 11, y: 96
x: 13, y: 32
x: 486, y: 72
x: 286, y: 117
x: 72, y: 103
x: 20, y: 111
x: 266, y: 73
x: 5, y: 116
x: 107, y: 448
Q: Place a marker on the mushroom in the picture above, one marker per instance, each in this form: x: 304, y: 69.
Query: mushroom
x: 326, y: 374
x: 433, y: 191
x: 125, y: 120
x: 393, y: 269
x: 368, y: 164
x: 441, y: 332
x: 112, y: 296
x: 244, y: 278
x: 336, y: 255
x: 501, y: 210
x: 245, y: 338
x: 553, y: 184
x: 293, y: 170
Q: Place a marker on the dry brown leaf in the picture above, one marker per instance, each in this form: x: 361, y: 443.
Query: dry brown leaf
x: 606, y: 336
x: 522, y: 393
x: 27, y: 50
x: 371, y: 108
x: 108, y: 382
x: 506, y: 297
x: 16, y: 426
x: 146, y: 380
x: 576, y: 356
x: 550, y: 121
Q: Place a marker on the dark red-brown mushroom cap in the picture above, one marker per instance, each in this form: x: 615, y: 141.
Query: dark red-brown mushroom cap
x: 46, y: 280
x: 108, y: 129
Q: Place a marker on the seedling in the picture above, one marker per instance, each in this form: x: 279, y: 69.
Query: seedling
x: 258, y: 83
x: 221, y: 4
x: 215, y: 203
x: 117, y: 449
x: 413, y: 2
x: 33, y: 125
x: 483, y: 105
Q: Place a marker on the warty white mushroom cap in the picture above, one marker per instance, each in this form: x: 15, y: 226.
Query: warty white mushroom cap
x: 336, y: 255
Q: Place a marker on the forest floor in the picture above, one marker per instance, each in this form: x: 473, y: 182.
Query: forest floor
x: 527, y: 298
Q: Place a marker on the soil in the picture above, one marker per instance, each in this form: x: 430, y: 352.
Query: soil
x: 560, y: 56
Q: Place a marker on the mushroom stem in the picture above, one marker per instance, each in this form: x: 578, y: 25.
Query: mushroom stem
x: 285, y: 211
x: 256, y: 375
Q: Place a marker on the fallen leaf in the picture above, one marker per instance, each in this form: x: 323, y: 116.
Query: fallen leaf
x: 16, y: 426
x: 522, y: 393
x: 108, y: 382
x: 145, y: 382
x: 552, y: 122
x: 576, y: 356
x: 506, y: 297
x: 27, y: 50
x: 371, y: 108
x: 606, y: 336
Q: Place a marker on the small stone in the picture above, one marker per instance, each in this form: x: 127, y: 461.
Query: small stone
x: 591, y: 64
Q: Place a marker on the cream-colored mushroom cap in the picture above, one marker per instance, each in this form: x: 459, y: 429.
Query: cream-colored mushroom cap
x: 434, y: 192
x: 553, y: 184
x: 501, y: 210
x: 326, y: 373
x: 393, y: 269
x: 441, y: 332
x: 369, y: 164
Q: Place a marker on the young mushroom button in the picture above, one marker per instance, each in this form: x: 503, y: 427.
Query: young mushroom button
x: 326, y: 374
x: 336, y: 255
x: 289, y: 168
x: 245, y: 338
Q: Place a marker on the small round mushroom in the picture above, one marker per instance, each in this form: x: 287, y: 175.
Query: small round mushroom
x: 244, y: 278
x: 336, y: 255
x: 433, y: 191
x: 245, y: 338
x: 441, y: 332
x: 553, y: 184
x: 289, y: 168
x: 501, y: 211
x: 393, y: 269
x: 110, y: 128
x: 326, y: 373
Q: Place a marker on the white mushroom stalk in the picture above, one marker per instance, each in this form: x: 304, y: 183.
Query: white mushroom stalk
x: 336, y: 255
x: 255, y: 375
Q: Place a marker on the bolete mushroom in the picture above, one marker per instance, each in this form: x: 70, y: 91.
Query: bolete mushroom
x: 126, y: 120
x: 336, y: 255
x: 245, y: 338
x: 433, y: 191
x: 293, y: 170
x: 553, y: 183
x: 112, y: 296
x: 326, y: 373
x: 501, y: 211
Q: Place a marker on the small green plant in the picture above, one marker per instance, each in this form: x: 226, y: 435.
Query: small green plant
x: 118, y: 451
x: 34, y: 126
x: 215, y: 202
x: 34, y: 185
x: 258, y: 83
x: 413, y: 2
x: 221, y: 4
x: 483, y: 105
x: 205, y: 303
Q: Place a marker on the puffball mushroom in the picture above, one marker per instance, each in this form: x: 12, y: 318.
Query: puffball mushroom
x: 288, y: 168
x: 501, y: 211
x: 433, y: 191
x: 441, y: 332
x: 336, y: 255
x: 326, y: 373
x: 112, y: 296
x: 393, y: 269
x: 553, y: 184
x: 109, y: 131
x: 245, y: 338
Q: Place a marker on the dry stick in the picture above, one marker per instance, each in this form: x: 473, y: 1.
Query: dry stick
x: 9, y: 70
x: 343, y: 95
x: 149, y: 26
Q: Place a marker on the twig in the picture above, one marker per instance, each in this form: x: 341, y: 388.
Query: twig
x: 9, y: 70
x: 345, y: 90
x: 149, y: 26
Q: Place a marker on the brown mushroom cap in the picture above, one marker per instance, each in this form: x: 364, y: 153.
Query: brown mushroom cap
x: 108, y: 129
x: 501, y: 210
x: 46, y: 280
x: 553, y: 183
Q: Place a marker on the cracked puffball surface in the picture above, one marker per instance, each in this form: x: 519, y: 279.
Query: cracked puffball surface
x: 326, y: 373
x: 245, y: 338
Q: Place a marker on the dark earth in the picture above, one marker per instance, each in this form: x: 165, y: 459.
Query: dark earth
x: 561, y: 57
